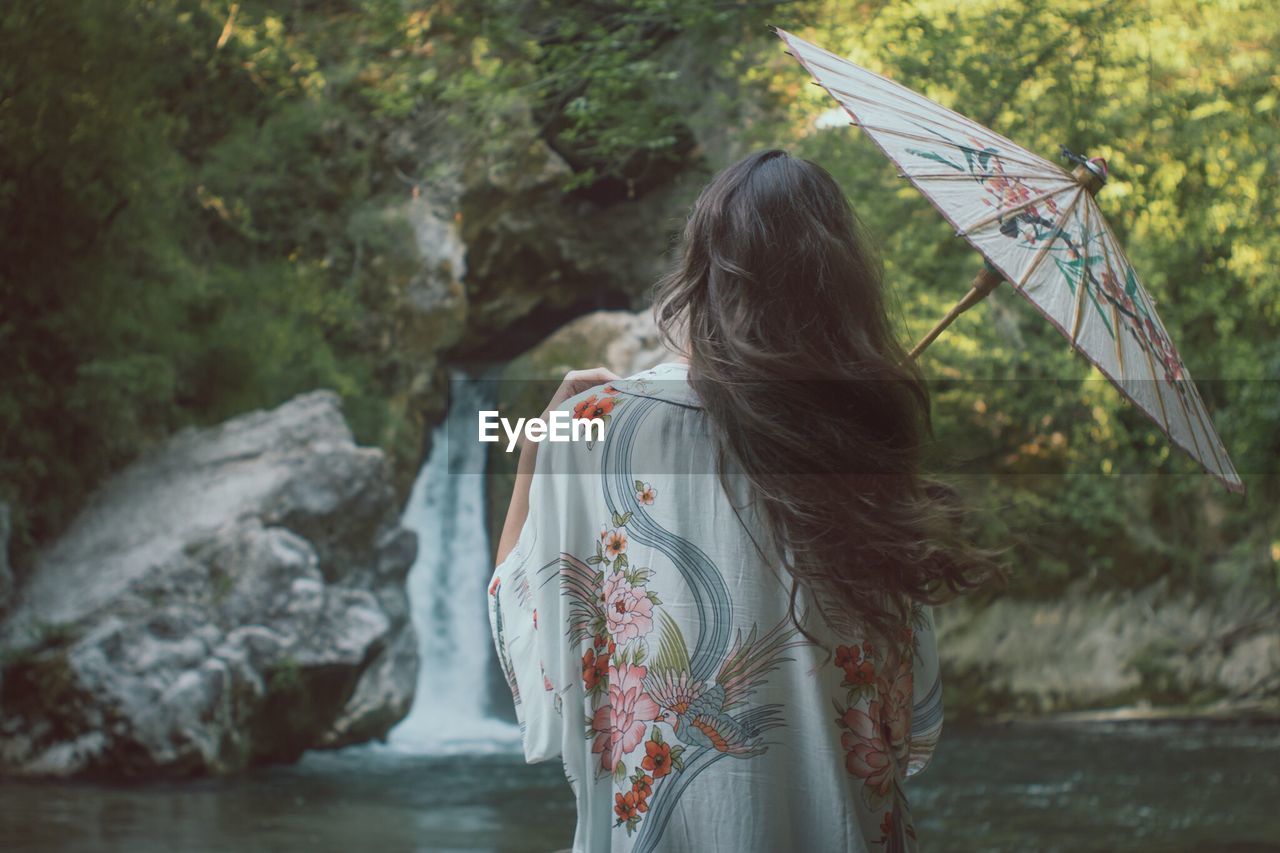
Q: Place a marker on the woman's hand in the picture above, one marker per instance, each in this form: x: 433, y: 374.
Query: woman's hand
x: 577, y: 381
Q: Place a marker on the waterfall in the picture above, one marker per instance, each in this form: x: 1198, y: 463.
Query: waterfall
x: 447, y: 592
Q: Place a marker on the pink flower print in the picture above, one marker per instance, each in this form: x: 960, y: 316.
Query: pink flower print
x: 896, y: 698
x: 866, y: 754
x: 627, y: 609
x: 646, y: 494
x: 1164, y: 351
x: 546, y: 681
x: 1112, y: 286
x: 622, y: 722
x: 615, y: 542
x: 1008, y: 192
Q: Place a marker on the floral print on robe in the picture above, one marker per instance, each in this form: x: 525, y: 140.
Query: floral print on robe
x: 649, y: 647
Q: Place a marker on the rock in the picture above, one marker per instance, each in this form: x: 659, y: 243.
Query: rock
x: 538, y: 257
x: 233, y: 597
x: 623, y: 341
x: 413, y: 261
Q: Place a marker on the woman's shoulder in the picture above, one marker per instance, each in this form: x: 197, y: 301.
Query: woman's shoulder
x: 668, y: 382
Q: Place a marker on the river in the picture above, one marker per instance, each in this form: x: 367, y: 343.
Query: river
x: 1014, y: 788
x: 449, y: 777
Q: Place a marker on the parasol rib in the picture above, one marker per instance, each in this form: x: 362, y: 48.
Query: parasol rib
x: 1022, y: 205
x: 1081, y: 285
x: 891, y: 91
x: 968, y: 176
x: 894, y: 89
x: 1116, y: 322
x: 930, y: 140
x: 843, y: 96
x: 1209, y: 436
x: 1044, y: 250
x: 874, y: 106
x: 1182, y: 403
x: 910, y: 128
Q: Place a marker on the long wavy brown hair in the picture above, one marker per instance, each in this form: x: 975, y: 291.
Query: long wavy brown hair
x: 777, y: 299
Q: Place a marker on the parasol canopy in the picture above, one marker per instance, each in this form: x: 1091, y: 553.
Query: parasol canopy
x: 1038, y: 227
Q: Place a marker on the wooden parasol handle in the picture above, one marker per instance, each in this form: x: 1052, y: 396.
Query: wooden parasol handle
x: 983, y: 283
x: 987, y: 278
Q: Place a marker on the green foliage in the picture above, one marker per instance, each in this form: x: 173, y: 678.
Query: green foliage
x: 194, y: 193
x: 1180, y: 99
x: 176, y: 188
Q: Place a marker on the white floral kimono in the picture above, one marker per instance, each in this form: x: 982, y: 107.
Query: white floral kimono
x: 648, y: 645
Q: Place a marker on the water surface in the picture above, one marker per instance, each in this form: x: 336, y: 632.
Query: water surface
x: 1015, y: 788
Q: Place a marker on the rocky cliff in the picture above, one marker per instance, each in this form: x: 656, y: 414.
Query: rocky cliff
x: 233, y: 597
x: 1210, y: 650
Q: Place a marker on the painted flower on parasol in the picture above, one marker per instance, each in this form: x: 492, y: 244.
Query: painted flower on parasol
x: 1038, y: 226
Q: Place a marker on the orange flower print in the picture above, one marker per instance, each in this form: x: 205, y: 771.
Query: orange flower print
x: 643, y: 786
x: 595, y: 669
x: 591, y: 408
x: 609, y: 389
x: 886, y: 825
x: 658, y: 759
x: 625, y: 806
x: 584, y: 406
x: 645, y: 493
x: 858, y: 667
x: 615, y: 542
x: 641, y: 789
x: 603, y: 407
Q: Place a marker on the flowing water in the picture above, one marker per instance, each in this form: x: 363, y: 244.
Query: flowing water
x: 447, y: 593
x: 450, y: 777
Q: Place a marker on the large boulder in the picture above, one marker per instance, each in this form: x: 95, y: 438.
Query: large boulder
x: 233, y: 597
